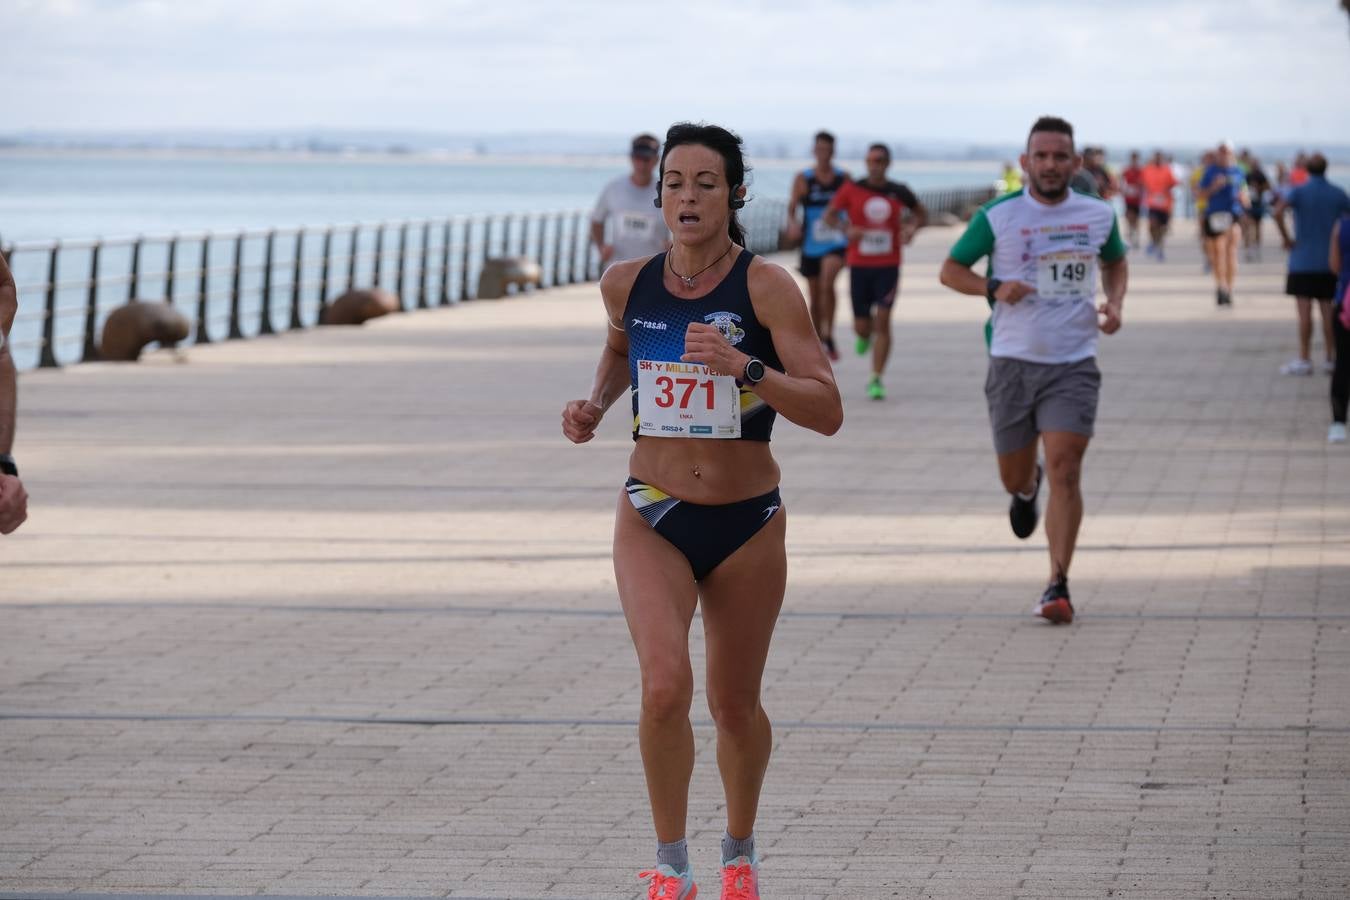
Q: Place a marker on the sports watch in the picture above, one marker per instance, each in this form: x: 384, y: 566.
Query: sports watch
x: 7, y: 466
x: 990, y: 287
x: 754, y: 371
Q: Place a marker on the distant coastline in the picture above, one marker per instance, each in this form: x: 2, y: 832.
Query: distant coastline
x: 424, y: 157
x: 559, y: 148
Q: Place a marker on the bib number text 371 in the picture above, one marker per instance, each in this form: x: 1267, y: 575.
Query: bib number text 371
x: 686, y: 400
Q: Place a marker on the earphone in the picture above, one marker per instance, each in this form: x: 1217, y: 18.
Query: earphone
x: 735, y: 203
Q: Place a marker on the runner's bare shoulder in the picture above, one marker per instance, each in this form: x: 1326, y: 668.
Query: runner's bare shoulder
x: 772, y: 289
x: 617, y: 283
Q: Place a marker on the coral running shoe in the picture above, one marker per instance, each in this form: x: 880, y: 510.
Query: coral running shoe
x: 1054, y: 606
x: 667, y: 884
x: 740, y: 879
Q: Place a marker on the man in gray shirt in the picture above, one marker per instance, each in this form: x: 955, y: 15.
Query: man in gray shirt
x: 625, y: 224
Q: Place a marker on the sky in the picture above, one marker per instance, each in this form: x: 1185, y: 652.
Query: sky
x: 1145, y: 71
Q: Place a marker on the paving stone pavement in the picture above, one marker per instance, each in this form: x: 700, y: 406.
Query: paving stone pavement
x: 332, y: 614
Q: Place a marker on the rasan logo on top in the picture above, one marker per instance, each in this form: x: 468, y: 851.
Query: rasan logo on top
x: 651, y: 326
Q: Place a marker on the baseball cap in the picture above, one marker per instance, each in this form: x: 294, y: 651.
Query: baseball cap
x: 646, y: 145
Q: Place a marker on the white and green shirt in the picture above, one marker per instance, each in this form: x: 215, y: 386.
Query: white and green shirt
x: 1055, y: 249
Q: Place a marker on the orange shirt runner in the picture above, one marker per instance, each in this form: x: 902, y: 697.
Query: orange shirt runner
x: 1158, y: 182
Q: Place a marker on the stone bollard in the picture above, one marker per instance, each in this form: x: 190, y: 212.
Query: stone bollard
x: 501, y: 271
x: 129, y: 328
x: 355, y: 307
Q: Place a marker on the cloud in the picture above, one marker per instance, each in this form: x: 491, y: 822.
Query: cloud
x: 1182, y: 70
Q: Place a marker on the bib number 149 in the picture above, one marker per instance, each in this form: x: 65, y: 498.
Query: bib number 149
x: 1068, y: 271
x: 1065, y: 276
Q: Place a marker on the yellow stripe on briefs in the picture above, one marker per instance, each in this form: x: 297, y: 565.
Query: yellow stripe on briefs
x: 651, y: 494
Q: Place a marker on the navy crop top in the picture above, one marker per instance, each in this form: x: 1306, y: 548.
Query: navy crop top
x: 656, y: 320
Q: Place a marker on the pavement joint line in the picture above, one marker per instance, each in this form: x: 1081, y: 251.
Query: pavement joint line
x: 563, y: 612
x: 874, y: 548
x: 602, y: 556
x: 108, y: 896
x: 485, y: 721
x: 901, y: 491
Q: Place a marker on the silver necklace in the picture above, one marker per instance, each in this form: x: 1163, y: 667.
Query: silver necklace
x: 689, y: 279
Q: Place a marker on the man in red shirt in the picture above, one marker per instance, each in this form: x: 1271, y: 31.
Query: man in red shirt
x: 877, y: 229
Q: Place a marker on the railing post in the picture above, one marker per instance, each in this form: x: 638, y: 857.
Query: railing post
x: 298, y: 277
x: 169, y: 267
x: 265, y: 313
x: 91, y: 306
x: 204, y: 291
x: 402, y: 263
x: 423, y: 273
x: 48, y: 357
x: 464, y: 267
x: 379, y: 255
x: 580, y: 247
x: 323, y: 272
x: 539, y: 245
x: 557, y: 250
x: 134, y: 282
x: 541, y: 238
x: 236, y: 289
x: 445, y: 264
x: 351, y: 258
x: 487, y: 242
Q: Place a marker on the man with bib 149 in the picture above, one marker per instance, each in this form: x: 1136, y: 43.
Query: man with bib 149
x: 1045, y: 245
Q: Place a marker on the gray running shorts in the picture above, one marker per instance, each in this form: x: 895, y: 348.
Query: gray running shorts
x: 1027, y: 399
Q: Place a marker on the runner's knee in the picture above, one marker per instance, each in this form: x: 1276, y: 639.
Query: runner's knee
x: 734, y: 710
x: 1065, y: 472
x: 667, y: 694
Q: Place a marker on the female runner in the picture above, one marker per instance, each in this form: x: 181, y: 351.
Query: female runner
x: 713, y: 343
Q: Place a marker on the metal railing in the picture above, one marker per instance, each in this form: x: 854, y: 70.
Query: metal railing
x: 250, y: 283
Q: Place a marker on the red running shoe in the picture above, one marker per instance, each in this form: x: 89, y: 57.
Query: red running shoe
x: 740, y: 879
x: 1054, y: 605
x: 667, y: 884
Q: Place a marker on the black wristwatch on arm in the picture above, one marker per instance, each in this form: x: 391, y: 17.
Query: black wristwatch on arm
x: 991, y: 287
x: 754, y: 371
x: 7, y: 466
